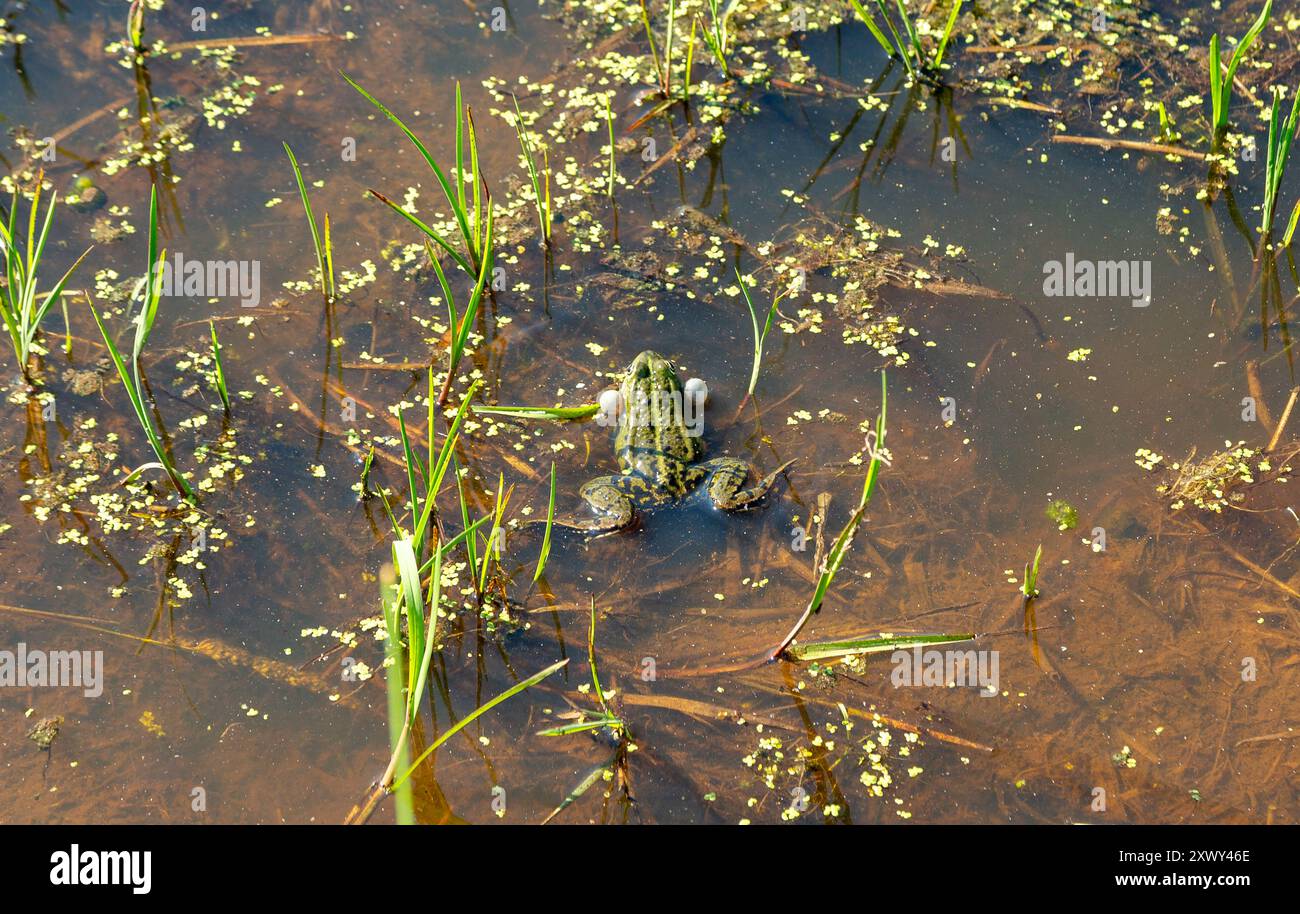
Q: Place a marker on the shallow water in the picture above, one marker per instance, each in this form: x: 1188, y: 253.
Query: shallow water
x: 243, y: 693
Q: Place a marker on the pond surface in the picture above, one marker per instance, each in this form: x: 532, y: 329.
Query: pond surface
x: 1152, y: 679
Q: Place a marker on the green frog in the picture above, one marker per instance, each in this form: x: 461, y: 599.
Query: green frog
x: 660, y: 452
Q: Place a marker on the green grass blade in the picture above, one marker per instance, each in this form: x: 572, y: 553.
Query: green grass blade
x: 325, y: 278
x: 431, y: 233
x: 582, y: 726
x: 824, y: 650
x: 839, y: 549
x: 874, y: 29
x: 132, y: 385
x: 471, y: 545
x: 546, y: 537
x: 947, y: 33
x: 219, y: 368
x: 1216, y: 86
x: 543, y: 223
x: 430, y: 633
x: 593, y: 775
x: 558, y: 413
x: 453, y: 200
x: 1291, y: 226
x: 477, y: 713
x: 444, y: 458
x: 613, y: 165
x: 408, y: 573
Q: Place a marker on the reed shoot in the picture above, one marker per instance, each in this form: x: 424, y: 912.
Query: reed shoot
x: 1221, y: 79
x: 546, y: 537
x: 908, y: 47
x: 1280, y: 137
x: 218, y: 370
x: 654, y: 52
x: 135, y: 25
x: 477, y: 241
x: 461, y: 323
x: 760, y: 335
x: 613, y: 166
x: 690, y: 65
x: 540, y: 201
x: 1030, y: 585
x: 1290, y: 227
x: 324, y: 256
x: 717, y: 33
x: 839, y: 549
x: 21, y: 306
x: 150, y: 291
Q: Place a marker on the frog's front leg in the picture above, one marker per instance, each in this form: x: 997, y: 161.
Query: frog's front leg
x: 725, y: 482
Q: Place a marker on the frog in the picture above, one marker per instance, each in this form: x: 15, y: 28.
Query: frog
x: 660, y: 453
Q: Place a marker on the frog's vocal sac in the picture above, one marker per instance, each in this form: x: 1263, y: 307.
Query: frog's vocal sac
x: 659, y: 446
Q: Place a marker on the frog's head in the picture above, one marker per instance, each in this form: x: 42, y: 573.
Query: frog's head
x: 652, y: 396
x: 649, y: 372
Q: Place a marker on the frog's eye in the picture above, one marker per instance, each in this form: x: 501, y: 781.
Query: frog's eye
x: 697, y: 390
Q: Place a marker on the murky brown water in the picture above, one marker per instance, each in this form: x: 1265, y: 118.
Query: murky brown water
x: 1124, y: 676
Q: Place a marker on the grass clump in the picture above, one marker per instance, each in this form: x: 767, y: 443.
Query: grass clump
x: 21, y: 305
x: 150, y: 291
x: 920, y: 63
x: 1030, y: 586
x: 1281, y: 134
x: 405, y: 594
x: 541, y: 198
x: 1221, y: 79
x: 470, y: 222
x: 760, y: 335
x: 717, y: 33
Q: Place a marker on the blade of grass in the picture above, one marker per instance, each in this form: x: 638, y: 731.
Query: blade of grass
x: 543, y: 208
x: 613, y: 166
x: 835, y: 557
x: 546, y: 537
x: 947, y: 33
x: 825, y: 650
x: 760, y: 336
x: 454, y: 199
x: 1030, y: 585
x: 477, y: 713
x: 326, y: 277
x: 874, y: 29
x: 218, y: 368
x: 558, y: 413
